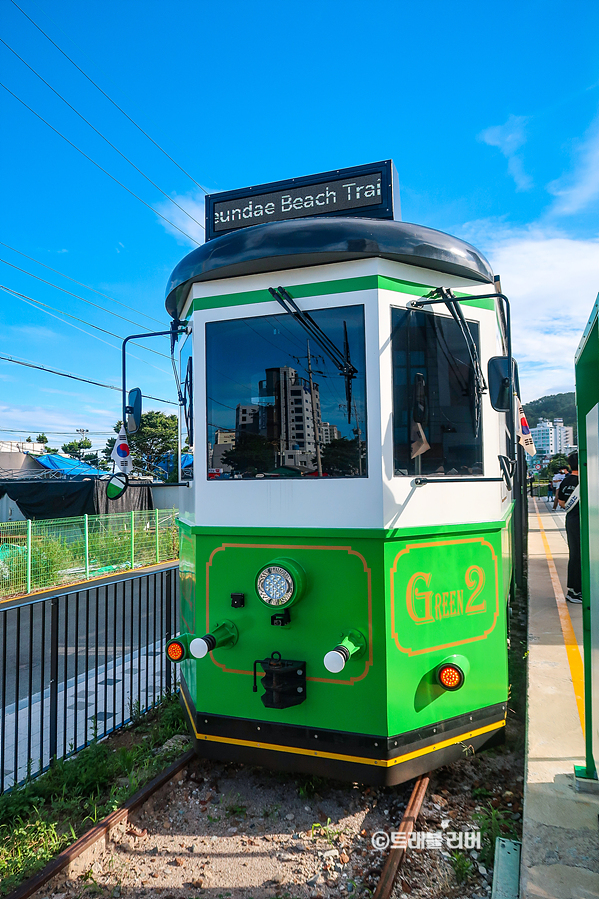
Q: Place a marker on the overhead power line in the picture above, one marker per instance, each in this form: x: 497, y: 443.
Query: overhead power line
x: 98, y: 166
x: 44, y: 306
x: 104, y: 138
x: 80, y: 283
x: 110, y: 100
x: 77, y: 297
x: 52, y: 433
x: 64, y: 374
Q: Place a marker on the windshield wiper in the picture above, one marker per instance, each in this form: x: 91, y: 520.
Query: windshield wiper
x: 446, y: 295
x: 341, y: 360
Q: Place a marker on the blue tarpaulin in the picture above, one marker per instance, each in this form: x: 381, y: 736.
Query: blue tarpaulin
x: 71, y: 468
x: 169, y: 462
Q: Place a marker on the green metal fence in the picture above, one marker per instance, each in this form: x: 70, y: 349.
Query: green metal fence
x: 37, y: 555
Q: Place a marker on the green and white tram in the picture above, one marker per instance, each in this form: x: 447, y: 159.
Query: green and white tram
x: 346, y: 535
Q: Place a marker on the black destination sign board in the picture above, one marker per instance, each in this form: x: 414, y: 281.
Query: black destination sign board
x: 366, y: 191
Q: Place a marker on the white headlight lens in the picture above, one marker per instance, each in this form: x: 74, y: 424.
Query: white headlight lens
x: 198, y: 648
x: 275, y: 585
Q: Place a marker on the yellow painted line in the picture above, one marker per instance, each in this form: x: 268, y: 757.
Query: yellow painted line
x: 572, y: 649
x: 380, y: 763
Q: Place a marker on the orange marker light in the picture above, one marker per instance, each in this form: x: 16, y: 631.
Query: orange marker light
x: 451, y: 677
x: 175, y: 651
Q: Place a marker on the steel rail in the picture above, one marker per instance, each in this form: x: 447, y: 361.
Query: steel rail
x: 99, y: 830
x: 396, y: 856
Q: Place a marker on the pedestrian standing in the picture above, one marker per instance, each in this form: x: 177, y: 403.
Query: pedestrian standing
x: 568, y: 498
x: 557, y: 479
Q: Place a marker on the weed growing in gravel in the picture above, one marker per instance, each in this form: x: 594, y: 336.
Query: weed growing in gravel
x: 326, y: 831
x: 493, y: 823
x: 41, y: 817
x: 462, y: 866
x: 271, y: 812
x: 236, y: 810
x: 481, y: 793
x: 307, y: 787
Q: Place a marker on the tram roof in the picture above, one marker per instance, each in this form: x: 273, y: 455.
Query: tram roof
x: 318, y: 241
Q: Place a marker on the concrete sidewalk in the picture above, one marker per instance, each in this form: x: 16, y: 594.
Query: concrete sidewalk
x: 560, y: 840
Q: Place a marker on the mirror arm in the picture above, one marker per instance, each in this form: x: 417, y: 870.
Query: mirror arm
x: 176, y: 327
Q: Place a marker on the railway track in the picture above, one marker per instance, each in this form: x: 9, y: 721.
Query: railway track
x: 329, y: 844
x: 211, y: 829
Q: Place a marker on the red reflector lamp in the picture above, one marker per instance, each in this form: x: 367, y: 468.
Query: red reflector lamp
x: 451, y: 677
x: 175, y: 651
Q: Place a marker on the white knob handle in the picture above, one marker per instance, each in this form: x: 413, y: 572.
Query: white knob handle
x: 334, y: 661
x: 198, y: 648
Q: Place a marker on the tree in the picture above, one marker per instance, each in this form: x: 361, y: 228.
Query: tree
x: 75, y: 447
x: 558, y: 461
x: 50, y: 450
x: 156, y: 437
x: 341, y: 456
x: 252, y: 453
x: 29, y: 440
x: 41, y: 438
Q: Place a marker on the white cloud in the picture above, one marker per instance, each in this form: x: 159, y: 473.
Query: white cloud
x: 37, y: 332
x: 194, y: 227
x: 552, y: 282
x: 508, y: 138
x: 575, y: 191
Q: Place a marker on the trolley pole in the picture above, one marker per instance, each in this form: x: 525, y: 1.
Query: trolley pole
x: 314, y: 423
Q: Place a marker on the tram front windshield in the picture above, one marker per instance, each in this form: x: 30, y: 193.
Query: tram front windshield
x: 435, y: 421
x: 277, y: 405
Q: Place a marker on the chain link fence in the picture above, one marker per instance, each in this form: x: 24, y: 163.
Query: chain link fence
x: 38, y: 555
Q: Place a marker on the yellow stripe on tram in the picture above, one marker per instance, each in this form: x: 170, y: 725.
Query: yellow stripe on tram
x: 572, y: 648
x: 380, y: 763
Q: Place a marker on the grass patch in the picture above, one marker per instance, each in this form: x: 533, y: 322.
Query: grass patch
x: 462, y: 866
x: 41, y: 817
x: 493, y: 823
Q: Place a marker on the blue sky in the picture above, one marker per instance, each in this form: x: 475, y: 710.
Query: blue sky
x: 490, y: 113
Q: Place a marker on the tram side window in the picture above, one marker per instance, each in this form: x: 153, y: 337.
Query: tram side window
x: 186, y: 410
x: 434, y: 401
x: 277, y: 404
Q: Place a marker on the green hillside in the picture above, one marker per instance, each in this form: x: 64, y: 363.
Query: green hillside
x: 559, y: 405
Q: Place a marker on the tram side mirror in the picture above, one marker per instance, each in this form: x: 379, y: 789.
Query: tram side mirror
x: 133, y: 410
x: 117, y: 485
x: 499, y: 383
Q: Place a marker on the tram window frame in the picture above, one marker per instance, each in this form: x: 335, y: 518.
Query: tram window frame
x: 186, y: 410
x: 271, y: 344
x: 430, y: 417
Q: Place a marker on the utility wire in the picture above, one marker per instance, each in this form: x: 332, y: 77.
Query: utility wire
x: 99, y: 133
x: 77, y: 297
x: 36, y: 305
x: 104, y: 94
x: 80, y: 283
x: 44, y: 306
x: 120, y: 183
x: 63, y: 374
x: 52, y: 433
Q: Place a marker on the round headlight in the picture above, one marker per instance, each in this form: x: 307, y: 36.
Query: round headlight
x: 275, y: 585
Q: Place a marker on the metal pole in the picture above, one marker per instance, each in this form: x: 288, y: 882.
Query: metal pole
x: 169, y: 624
x: 86, y: 532
x: 53, y: 711
x: 157, y: 536
x: 29, y: 555
x: 314, y: 423
x: 132, y: 539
